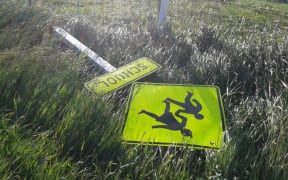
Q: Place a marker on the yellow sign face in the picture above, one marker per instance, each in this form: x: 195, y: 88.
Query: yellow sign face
x: 123, y: 76
x: 181, y: 115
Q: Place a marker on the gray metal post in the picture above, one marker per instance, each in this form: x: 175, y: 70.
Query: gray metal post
x: 162, y: 13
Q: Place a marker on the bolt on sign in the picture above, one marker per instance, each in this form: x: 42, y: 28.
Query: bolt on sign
x: 170, y: 114
x: 122, y: 76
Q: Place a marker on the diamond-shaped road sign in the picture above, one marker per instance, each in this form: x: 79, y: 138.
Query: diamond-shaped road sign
x: 183, y: 115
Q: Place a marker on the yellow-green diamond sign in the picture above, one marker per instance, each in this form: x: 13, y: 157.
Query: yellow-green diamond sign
x: 167, y: 114
x: 122, y: 76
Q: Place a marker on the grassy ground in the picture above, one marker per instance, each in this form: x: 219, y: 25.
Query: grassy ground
x: 52, y: 128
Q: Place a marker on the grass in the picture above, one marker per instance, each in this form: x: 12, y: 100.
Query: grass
x: 52, y: 127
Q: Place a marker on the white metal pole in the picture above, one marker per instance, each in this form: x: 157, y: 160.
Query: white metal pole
x: 163, y: 13
x: 99, y: 61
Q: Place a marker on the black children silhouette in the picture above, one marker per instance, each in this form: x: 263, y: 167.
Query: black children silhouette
x: 170, y: 121
x: 188, y: 107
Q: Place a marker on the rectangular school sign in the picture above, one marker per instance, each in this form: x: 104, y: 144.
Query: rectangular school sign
x: 122, y: 76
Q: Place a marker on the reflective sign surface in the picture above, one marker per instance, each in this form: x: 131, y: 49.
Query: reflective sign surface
x: 165, y: 114
x: 122, y: 76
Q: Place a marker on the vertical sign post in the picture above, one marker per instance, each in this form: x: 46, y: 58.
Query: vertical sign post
x: 162, y: 13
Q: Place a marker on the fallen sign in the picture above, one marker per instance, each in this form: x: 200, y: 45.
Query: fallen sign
x: 122, y: 76
x: 173, y: 114
x: 115, y: 78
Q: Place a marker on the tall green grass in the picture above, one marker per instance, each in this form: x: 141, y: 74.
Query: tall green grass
x: 279, y: 1
x: 51, y: 127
